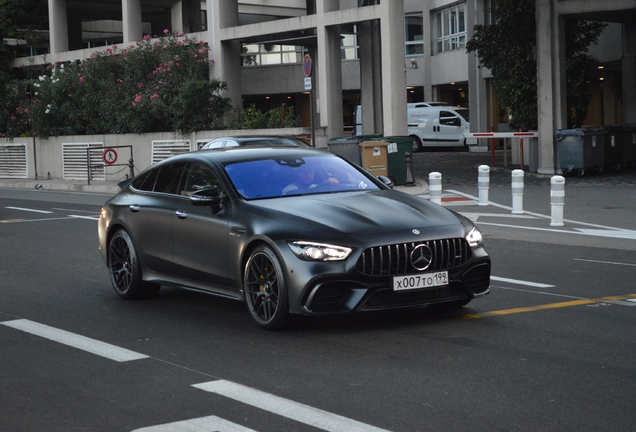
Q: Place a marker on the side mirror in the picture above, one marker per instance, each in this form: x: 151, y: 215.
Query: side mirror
x: 207, y: 197
x: 386, y: 181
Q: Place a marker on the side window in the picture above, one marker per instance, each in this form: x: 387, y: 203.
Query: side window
x: 447, y: 118
x: 146, y: 181
x: 199, y: 177
x: 169, y: 178
x: 214, y: 144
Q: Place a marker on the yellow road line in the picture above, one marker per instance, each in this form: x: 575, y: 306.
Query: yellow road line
x: 548, y: 306
x: 11, y: 220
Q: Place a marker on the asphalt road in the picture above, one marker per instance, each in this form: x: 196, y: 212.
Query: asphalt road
x: 551, y: 348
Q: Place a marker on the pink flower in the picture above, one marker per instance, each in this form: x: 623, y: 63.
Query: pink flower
x: 138, y: 98
x: 114, y: 47
x: 140, y: 85
x: 166, y: 31
x: 81, y: 80
x: 201, y: 51
x: 154, y: 96
x: 146, y: 37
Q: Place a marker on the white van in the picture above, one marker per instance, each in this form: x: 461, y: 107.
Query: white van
x: 437, y: 126
x: 431, y: 124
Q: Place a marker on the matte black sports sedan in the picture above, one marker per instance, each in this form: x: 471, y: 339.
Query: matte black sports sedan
x: 289, y: 231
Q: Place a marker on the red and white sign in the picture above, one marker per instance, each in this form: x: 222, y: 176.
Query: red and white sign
x: 307, y: 65
x: 110, y: 156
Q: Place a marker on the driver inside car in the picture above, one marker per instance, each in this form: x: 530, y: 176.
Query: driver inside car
x: 305, y: 176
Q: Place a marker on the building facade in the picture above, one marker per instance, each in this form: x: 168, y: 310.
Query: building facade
x: 379, y: 54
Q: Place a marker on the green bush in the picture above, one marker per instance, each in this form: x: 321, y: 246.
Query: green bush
x: 154, y: 85
x: 253, y: 118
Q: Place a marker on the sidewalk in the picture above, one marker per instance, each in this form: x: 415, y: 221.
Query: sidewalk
x: 98, y: 187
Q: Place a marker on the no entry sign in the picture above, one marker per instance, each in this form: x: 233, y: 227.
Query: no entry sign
x: 110, y: 156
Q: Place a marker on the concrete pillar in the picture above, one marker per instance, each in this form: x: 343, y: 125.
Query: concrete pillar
x: 226, y: 55
x: 427, y: 82
x: 58, y: 26
x: 370, y: 77
x: 477, y: 92
x: 186, y: 16
x: 329, y: 88
x: 629, y: 72
x: 323, y: 6
x: 131, y: 20
x: 550, y: 82
x: 393, y: 68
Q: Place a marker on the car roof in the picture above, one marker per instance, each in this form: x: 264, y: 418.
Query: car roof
x: 246, y: 138
x: 236, y: 154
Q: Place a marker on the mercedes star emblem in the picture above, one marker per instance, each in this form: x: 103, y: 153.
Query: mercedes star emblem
x: 421, y: 257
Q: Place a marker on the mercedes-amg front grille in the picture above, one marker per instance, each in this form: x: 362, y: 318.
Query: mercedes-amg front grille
x: 396, y: 259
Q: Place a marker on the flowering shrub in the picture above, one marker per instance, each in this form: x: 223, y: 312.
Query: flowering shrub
x: 154, y: 85
x: 253, y: 118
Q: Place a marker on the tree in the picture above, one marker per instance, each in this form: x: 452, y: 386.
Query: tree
x: 508, y: 48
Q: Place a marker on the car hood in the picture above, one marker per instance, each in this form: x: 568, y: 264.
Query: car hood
x: 358, y: 212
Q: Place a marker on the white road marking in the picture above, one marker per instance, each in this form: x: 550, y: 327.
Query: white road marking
x: 520, y: 282
x: 203, y: 424
x: 286, y: 408
x: 74, y: 340
x: 29, y: 210
x: 475, y: 216
x: 610, y: 232
x: 605, y: 262
x: 624, y: 234
x: 84, y: 217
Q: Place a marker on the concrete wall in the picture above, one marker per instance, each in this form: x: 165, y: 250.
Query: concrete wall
x: 48, y: 153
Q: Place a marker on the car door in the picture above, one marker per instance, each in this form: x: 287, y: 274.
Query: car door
x: 200, y: 233
x: 149, y: 215
x: 449, y: 129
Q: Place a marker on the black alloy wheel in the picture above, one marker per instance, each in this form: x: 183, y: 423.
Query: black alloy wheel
x: 266, y: 289
x: 125, y: 269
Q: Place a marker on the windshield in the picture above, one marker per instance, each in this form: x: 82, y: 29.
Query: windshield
x: 268, y: 178
x: 464, y: 113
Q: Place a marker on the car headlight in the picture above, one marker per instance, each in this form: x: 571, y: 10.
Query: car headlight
x: 309, y: 251
x: 474, y: 237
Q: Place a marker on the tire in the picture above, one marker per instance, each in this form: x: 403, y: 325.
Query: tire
x: 266, y: 289
x: 417, y: 143
x: 125, y: 269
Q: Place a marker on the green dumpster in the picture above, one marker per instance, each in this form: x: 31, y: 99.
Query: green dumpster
x: 349, y: 147
x: 396, y: 159
x: 629, y: 144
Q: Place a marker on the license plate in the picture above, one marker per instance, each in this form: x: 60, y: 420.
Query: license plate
x: 426, y: 280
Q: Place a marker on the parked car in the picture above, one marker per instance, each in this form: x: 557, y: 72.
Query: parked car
x: 262, y: 140
x: 289, y: 231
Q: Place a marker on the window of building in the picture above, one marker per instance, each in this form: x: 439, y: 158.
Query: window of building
x: 271, y: 54
x: 490, y: 7
x: 348, y: 42
x: 413, y: 34
x: 451, y: 28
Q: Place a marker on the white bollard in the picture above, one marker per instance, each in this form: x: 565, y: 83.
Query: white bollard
x: 435, y: 187
x: 517, y: 191
x: 557, y: 199
x: 483, y: 184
